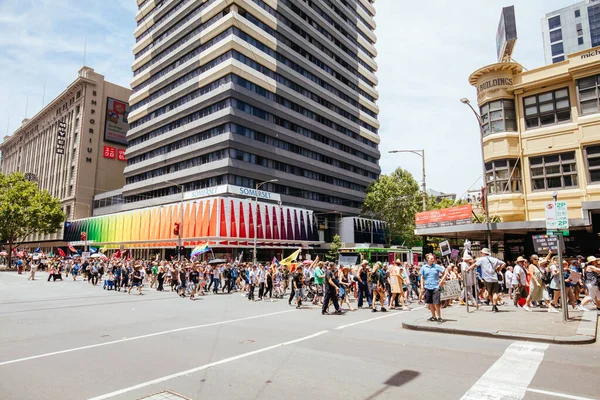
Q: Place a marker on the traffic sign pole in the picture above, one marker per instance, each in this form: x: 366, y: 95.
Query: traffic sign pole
x: 560, y: 222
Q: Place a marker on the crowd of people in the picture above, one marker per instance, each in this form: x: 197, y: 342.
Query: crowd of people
x: 485, y: 280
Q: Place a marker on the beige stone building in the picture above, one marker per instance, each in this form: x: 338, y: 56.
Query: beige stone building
x: 541, y: 134
x: 74, y: 147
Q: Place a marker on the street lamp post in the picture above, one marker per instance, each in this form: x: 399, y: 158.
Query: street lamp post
x: 488, y: 233
x: 180, y: 218
x: 420, y: 153
x: 257, y: 186
x: 85, y: 245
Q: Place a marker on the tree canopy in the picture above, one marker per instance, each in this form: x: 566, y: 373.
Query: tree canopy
x: 394, y: 199
x: 26, y: 210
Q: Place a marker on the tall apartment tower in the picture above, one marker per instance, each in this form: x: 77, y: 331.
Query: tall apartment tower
x: 571, y: 29
x: 240, y: 92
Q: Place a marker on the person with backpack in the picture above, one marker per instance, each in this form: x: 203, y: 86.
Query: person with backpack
x: 537, y: 286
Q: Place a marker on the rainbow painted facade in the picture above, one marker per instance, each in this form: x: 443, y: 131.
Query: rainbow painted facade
x: 223, y: 221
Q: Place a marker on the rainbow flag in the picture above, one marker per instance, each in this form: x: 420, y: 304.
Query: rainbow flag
x: 200, y: 249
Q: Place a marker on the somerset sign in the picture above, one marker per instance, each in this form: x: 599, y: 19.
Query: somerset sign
x: 452, y: 216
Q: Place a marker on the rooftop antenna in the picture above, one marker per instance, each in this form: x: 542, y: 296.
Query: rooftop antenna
x: 84, y: 50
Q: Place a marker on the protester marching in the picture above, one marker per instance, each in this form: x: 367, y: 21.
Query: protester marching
x: 483, y: 281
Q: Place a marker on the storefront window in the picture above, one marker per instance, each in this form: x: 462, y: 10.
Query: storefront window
x: 498, y: 116
x: 503, y: 176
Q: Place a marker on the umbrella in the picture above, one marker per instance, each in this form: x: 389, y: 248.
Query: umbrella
x: 216, y: 261
x: 3, y: 253
x: 307, y: 262
x: 99, y: 255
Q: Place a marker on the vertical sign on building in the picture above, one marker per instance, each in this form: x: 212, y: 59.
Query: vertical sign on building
x: 60, y: 139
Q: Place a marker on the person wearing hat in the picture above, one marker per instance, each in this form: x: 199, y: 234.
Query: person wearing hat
x: 469, y: 280
x: 592, y: 281
x: 363, y: 284
x: 519, y: 281
x: 489, y: 273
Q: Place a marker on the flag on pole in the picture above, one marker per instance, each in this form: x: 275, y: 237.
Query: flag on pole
x: 73, y: 249
x: 291, y: 258
x: 93, y: 250
x: 200, y: 249
x: 275, y: 262
x: 38, y: 250
x: 241, y: 257
x: 117, y: 254
x: 103, y: 250
x: 61, y: 252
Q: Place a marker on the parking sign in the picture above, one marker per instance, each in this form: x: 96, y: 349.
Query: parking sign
x: 557, y: 216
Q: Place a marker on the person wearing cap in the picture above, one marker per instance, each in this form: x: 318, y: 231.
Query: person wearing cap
x: 363, y: 285
x: 489, y: 273
x: 519, y: 281
x: 536, y: 288
x: 592, y: 282
x: 468, y: 280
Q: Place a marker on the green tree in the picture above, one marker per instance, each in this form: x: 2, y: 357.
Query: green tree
x: 433, y: 204
x: 394, y: 199
x: 334, y: 248
x: 26, y: 210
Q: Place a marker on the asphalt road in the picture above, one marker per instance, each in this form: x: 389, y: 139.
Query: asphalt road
x: 69, y: 340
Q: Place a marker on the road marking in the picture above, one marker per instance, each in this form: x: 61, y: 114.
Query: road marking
x: 556, y: 394
x: 376, y: 318
x: 509, y: 377
x: 141, y: 337
x: 205, y: 366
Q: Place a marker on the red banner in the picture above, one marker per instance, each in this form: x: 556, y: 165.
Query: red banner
x: 460, y: 215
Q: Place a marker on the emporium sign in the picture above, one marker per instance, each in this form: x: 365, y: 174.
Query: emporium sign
x: 452, y: 216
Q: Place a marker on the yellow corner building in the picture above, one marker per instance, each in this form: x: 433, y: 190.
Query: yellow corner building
x: 540, y: 134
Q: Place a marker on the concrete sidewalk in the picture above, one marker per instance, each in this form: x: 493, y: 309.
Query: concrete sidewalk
x: 513, y: 323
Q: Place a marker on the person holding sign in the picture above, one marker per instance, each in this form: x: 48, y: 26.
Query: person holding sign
x: 489, y: 273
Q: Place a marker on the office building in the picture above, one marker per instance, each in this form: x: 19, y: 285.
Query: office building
x: 74, y: 147
x: 228, y: 95
x: 571, y: 29
x: 541, y: 135
x: 246, y: 91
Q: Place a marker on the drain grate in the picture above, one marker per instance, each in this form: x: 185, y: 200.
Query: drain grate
x: 165, y: 395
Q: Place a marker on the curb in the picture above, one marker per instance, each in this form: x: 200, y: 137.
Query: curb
x: 588, y: 326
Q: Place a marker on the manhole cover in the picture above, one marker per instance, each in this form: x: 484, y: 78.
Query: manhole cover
x: 165, y: 395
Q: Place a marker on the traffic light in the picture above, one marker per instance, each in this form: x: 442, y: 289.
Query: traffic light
x: 176, y: 229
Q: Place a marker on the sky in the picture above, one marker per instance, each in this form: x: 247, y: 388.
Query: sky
x: 426, y: 52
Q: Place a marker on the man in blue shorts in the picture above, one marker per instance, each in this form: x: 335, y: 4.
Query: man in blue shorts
x: 430, y: 286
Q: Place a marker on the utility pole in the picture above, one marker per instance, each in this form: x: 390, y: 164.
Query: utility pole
x: 256, y: 187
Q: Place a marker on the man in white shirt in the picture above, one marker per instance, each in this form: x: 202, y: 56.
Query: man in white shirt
x: 489, y: 272
x: 519, y: 281
x: 508, y: 277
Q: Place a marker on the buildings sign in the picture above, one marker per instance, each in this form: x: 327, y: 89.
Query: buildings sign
x: 557, y: 216
x: 506, y: 37
x: 497, y: 83
x: 116, y: 125
x: 460, y: 215
x: 231, y: 189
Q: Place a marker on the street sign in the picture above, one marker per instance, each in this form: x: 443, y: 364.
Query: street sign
x: 557, y: 216
x: 554, y: 233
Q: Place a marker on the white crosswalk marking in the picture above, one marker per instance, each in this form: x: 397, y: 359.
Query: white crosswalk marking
x: 510, y: 375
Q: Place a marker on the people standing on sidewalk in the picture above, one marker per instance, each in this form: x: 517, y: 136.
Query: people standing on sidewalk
x: 537, y: 287
x: 592, y: 282
x: 469, y: 281
x: 489, y: 273
x: 430, y: 287
x: 508, y: 277
x: 519, y: 281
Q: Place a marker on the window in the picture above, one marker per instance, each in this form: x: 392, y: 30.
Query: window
x: 557, y: 48
x: 70, y: 190
x: 558, y: 59
x: 547, y: 108
x: 78, y: 95
x: 577, y: 13
x: 503, y: 176
x: 557, y: 171
x: 68, y: 212
x: 554, y: 22
x: 555, y: 36
x: 580, y: 41
x: 592, y: 155
x: 498, y: 116
x: 589, y: 94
